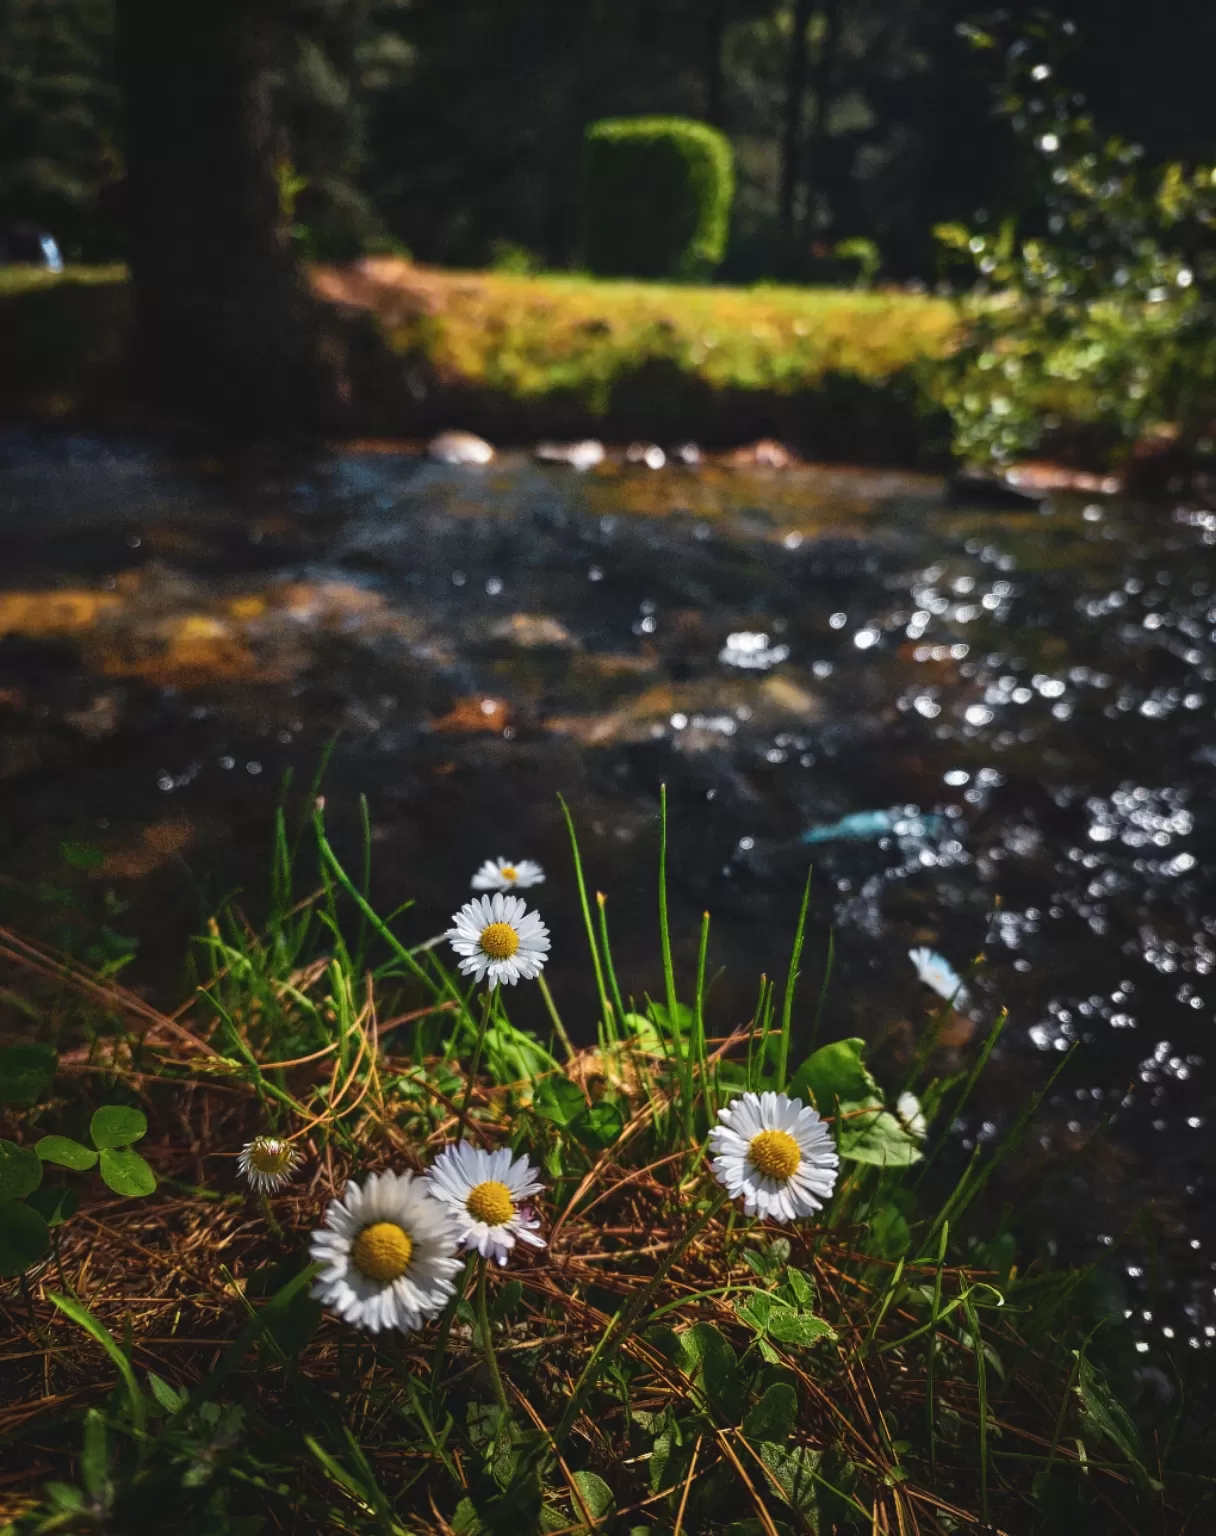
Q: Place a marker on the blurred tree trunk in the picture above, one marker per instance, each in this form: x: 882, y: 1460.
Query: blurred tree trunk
x: 823, y: 89
x: 715, y: 30
x: 795, y: 95
x: 226, y: 331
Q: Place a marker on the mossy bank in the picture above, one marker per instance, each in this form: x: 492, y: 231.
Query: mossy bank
x: 838, y: 373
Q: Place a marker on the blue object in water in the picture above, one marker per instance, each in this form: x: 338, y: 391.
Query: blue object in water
x: 52, y: 259
x: 858, y: 827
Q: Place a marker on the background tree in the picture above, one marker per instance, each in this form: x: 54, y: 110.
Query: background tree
x: 225, y: 327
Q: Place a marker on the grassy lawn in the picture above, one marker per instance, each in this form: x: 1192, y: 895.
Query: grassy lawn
x: 524, y: 356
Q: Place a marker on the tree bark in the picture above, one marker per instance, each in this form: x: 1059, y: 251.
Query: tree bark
x: 823, y: 88
x: 795, y: 94
x: 715, y: 28
x: 226, y: 330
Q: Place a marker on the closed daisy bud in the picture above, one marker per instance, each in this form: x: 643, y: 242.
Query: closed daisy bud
x: 268, y: 1162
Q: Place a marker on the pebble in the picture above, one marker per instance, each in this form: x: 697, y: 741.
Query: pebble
x: 460, y: 448
x: 581, y: 456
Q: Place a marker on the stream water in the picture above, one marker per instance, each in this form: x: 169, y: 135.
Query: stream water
x: 1025, y: 694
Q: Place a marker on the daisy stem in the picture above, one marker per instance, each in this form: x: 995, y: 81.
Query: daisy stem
x: 487, y: 1003
x: 445, y: 1326
x: 567, y: 1046
x: 271, y: 1221
x: 612, y: 1337
x: 483, y: 1324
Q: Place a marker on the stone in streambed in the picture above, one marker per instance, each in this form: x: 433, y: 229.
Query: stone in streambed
x: 459, y: 448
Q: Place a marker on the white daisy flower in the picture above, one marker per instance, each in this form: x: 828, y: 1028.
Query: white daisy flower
x: 907, y: 1107
x: 499, y: 939
x: 484, y: 1192
x: 777, y: 1153
x: 389, y: 1252
x: 505, y: 875
x: 268, y: 1162
x: 938, y: 974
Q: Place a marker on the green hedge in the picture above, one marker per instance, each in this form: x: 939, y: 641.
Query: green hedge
x: 658, y: 192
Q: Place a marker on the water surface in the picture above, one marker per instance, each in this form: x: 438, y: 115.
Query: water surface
x: 1027, y: 693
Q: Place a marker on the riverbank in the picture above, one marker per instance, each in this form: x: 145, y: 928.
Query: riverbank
x: 836, y: 373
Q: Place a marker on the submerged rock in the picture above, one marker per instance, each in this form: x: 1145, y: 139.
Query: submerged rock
x: 460, y: 448
x: 766, y: 454
x: 649, y: 454
x: 581, y: 456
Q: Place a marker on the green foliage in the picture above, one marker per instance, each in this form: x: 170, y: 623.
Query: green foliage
x: 1100, y: 328
x: 29, y: 1208
x: 837, y: 1080
x: 24, y: 1237
x: 661, y: 1343
x: 26, y: 1072
x: 658, y: 195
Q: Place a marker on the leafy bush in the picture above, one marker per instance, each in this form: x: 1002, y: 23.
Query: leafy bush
x: 1100, y: 327
x: 658, y: 196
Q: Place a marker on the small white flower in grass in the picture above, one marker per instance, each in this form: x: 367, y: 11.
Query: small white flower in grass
x: 938, y: 974
x: 507, y: 875
x: 907, y: 1107
x: 499, y: 940
x: 389, y: 1252
x: 484, y: 1192
x: 268, y: 1162
x: 777, y: 1153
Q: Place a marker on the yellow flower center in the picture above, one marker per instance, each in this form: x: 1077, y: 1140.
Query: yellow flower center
x: 500, y: 941
x: 775, y: 1154
x: 383, y: 1251
x: 509, y: 872
x: 490, y: 1202
x: 268, y: 1155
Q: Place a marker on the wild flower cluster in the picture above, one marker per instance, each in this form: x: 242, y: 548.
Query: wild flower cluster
x: 388, y: 1248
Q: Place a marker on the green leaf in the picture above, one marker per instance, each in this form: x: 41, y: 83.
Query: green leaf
x: 117, y: 1125
x: 707, y: 1357
x: 54, y: 1203
x: 24, y: 1238
x: 595, y: 1493
x: 833, y: 1072
x: 599, y: 1125
x: 20, y: 1170
x: 756, y: 1309
x: 126, y: 1172
x: 774, y: 1415
x: 95, y: 1457
x: 558, y: 1099
x: 65, y: 1496
x: 794, y: 1475
x: 801, y: 1285
x: 799, y: 1328
x: 507, y: 1300
x: 65, y: 1152
x: 1103, y: 1415
x: 644, y: 1034
x: 26, y: 1072
x: 82, y: 855
x: 83, y: 1318
x: 869, y: 1134
x: 890, y: 1236
x: 170, y: 1399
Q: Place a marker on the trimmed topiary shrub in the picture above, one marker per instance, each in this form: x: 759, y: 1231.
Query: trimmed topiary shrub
x: 658, y: 193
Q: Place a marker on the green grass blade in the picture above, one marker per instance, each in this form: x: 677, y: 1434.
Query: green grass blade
x: 607, y: 1031
x: 83, y: 1318
x: 791, y: 981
